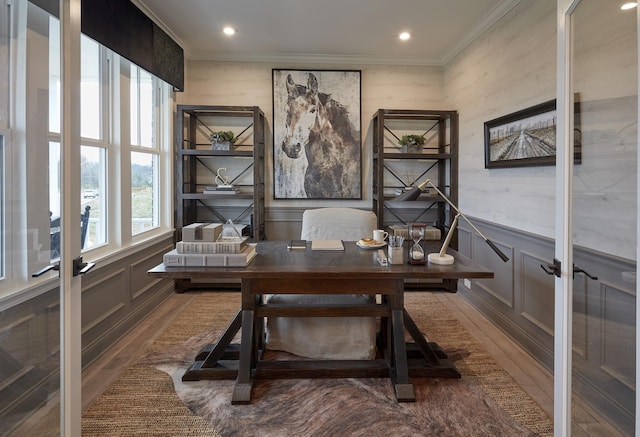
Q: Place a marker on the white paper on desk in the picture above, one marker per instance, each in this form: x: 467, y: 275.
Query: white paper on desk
x: 327, y: 245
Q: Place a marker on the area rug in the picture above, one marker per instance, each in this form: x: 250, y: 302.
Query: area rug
x: 150, y: 399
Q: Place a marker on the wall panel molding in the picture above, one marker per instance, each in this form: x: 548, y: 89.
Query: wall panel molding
x: 604, y: 311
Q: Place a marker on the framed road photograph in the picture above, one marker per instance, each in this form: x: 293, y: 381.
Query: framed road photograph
x: 317, y: 150
x: 524, y: 138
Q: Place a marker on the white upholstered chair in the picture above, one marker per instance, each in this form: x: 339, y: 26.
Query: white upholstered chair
x: 327, y: 337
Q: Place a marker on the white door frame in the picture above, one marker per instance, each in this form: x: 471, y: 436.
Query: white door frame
x: 70, y: 285
x: 563, y: 234
x: 637, y: 430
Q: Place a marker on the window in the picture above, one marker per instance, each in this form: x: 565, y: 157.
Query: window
x: 144, y: 155
x: 142, y: 104
x: 93, y: 151
x: 124, y: 150
x: 92, y: 182
x: 95, y: 140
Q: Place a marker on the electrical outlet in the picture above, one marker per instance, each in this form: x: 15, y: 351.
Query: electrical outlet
x: 467, y: 283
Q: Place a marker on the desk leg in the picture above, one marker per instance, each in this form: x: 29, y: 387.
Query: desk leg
x: 400, y: 371
x: 244, y: 383
x: 429, y: 360
x: 206, y: 363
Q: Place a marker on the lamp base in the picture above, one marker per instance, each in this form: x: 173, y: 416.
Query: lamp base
x: 435, y: 258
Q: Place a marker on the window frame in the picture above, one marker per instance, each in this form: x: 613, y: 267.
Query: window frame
x: 17, y: 282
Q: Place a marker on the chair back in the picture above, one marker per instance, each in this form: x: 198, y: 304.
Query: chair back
x: 349, y: 224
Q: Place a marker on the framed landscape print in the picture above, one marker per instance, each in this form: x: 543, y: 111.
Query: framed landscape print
x: 317, y: 150
x: 524, y: 138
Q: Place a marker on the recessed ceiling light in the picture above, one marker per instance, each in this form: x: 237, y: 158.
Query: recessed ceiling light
x: 404, y: 36
x: 229, y: 30
x: 628, y: 6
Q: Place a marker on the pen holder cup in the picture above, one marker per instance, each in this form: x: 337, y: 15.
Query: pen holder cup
x: 396, y: 255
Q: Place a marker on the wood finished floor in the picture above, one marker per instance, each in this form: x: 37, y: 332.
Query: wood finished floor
x: 534, y: 379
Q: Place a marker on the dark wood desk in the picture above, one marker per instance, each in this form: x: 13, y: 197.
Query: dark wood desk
x: 354, y: 271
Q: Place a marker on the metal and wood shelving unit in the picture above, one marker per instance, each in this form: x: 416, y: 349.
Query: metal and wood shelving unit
x: 197, y: 166
x: 394, y: 169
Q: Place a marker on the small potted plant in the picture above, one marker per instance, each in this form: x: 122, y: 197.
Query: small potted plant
x: 412, y: 143
x: 222, y: 140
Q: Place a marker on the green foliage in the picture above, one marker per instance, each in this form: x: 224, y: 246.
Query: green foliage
x: 412, y: 140
x: 90, y: 173
x: 141, y: 176
x: 223, y: 135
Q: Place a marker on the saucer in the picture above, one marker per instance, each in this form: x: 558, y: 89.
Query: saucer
x: 370, y: 246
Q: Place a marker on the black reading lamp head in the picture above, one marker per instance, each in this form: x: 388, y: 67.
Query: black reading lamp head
x: 411, y: 194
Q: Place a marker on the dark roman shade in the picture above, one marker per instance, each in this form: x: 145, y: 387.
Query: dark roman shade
x: 125, y: 29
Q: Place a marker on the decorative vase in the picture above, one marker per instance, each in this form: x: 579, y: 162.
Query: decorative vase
x: 221, y: 145
x: 412, y: 148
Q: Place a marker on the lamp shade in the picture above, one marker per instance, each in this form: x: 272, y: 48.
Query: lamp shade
x: 411, y: 194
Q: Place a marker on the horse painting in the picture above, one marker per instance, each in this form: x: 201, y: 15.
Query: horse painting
x: 318, y: 130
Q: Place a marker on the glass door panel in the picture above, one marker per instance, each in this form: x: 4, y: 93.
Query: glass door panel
x: 30, y: 346
x: 604, y: 59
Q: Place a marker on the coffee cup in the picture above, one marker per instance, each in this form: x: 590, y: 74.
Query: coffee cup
x: 379, y: 235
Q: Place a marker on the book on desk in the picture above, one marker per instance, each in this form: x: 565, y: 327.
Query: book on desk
x: 242, y: 259
x: 327, y: 245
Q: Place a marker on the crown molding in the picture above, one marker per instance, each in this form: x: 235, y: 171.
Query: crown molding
x: 492, y: 17
x: 313, y: 59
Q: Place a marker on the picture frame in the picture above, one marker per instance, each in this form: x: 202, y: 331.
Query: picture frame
x: 522, y: 139
x: 317, y: 141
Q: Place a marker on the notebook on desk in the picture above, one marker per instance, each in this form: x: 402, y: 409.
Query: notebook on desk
x: 327, y: 245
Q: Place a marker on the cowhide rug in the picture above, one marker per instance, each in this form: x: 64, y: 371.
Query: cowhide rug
x: 337, y: 407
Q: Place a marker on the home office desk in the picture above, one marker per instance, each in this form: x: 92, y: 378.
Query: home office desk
x: 352, y: 271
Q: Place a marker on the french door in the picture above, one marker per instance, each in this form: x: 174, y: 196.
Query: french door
x: 596, y: 219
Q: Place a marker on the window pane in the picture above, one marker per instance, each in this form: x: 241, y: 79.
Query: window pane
x: 54, y: 75
x: 134, y: 105
x: 2, y: 208
x: 90, y: 89
x: 144, y: 192
x: 93, y: 182
x: 54, y: 199
x: 142, y: 105
x: 4, y: 68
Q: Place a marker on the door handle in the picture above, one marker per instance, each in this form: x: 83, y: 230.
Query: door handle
x: 79, y: 268
x: 552, y: 269
x: 44, y: 270
x: 579, y: 270
x: 555, y: 269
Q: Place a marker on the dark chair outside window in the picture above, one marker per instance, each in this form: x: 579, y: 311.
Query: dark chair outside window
x: 54, y: 231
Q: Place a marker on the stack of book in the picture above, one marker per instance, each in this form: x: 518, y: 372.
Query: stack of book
x: 220, y: 189
x: 203, y: 246
x: 430, y: 232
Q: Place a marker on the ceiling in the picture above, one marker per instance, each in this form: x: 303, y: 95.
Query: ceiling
x: 330, y: 31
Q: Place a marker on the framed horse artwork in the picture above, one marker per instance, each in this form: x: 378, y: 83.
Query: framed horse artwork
x: 317, y: 151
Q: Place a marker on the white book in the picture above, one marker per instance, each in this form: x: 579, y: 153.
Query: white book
x: 198, y: 232
x: 220, y: 246
x: 327, y: 245
x: 243, y: 259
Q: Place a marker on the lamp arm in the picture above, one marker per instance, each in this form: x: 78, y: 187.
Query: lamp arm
x: 491, y: 244
x: 447, y: 240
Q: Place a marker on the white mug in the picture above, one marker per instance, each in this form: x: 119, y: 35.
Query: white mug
x: 379, y: 235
